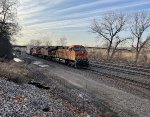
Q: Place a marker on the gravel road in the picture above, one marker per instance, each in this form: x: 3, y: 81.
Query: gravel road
x: 125, y: 104
x: 121, y: 100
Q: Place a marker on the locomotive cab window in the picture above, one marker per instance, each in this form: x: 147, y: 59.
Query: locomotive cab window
x: 79, y: 49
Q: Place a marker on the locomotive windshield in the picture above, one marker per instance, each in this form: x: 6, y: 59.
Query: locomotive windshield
x: 79, y: 49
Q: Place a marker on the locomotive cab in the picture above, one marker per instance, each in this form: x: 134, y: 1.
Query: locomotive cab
x: 80, y: 55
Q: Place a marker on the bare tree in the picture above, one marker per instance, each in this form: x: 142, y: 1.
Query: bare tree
x: 35, y: 42
x: 8, y: 26
x: 47, y: 40
x: 139, y: 24
x: 62, y: 41
x: 48, y: 43
x: 116, y: 43
x: 109, y: 29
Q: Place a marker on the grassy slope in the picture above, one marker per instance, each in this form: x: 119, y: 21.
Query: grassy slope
x: 15, y: 72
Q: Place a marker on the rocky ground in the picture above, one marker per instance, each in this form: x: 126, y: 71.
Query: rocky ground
x: 28, y: 101
x: 19, y: 98
x: 28, y: 91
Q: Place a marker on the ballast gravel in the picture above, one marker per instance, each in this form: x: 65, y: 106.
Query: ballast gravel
x: 27, y: 101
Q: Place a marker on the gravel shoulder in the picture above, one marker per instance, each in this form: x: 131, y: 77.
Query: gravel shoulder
x: 27, y: 101
x: 124, y: 103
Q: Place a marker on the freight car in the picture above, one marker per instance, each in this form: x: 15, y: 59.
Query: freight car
x: 75, y: 55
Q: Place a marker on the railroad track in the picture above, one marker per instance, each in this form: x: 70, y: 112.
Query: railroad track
x: 117, y: 76
x: 124, y: 69
x: 131, y: 67
x: 110, y: 72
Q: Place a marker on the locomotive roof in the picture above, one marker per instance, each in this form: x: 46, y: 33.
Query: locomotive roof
x: 77, y: 46
x: 58, y: 47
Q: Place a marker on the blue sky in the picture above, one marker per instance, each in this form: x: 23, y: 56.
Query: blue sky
x: 53, y: 19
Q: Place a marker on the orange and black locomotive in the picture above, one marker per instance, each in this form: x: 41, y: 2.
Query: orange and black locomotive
x: 75, y: 55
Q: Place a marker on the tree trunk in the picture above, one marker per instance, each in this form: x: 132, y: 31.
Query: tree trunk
x: 114, y: 51
x: 108, y: 50
x: 5, y: 47
x: 137, y: 51
x: 137, y: 56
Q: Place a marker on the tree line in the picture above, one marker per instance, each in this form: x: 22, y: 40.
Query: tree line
x: 118, y: 28
x: 47, y: 42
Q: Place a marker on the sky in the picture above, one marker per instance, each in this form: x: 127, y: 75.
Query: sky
x: 53, y: 19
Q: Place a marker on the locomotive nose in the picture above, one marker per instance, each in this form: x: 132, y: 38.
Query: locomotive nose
x: 81, y: 55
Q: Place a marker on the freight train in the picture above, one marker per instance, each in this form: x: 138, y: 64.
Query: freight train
x: 75, y: 55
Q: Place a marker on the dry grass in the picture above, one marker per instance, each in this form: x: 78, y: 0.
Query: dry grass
x: 15, y: 72
x: 121, y: 56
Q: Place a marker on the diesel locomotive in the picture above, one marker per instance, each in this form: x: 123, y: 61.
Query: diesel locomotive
x: 75, y: 55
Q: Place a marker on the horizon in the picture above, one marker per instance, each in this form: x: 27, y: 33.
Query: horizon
x: 52, y: 20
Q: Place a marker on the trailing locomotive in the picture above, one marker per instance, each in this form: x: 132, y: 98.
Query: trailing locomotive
x: 75, y: 55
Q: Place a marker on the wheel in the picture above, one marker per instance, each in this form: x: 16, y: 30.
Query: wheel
x: 76, y: 65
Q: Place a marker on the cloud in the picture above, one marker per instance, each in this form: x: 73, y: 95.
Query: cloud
x: 78, y: 18
x: 72, y: 15
x: 82, y: 6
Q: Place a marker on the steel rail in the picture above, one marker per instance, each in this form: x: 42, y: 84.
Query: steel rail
x: 121, y: 78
